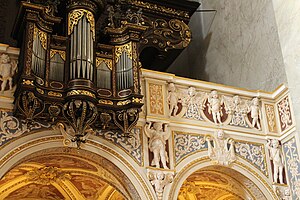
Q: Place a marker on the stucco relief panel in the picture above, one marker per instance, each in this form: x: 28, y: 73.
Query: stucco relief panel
x: 156, y: 97
x: 186, y: 144
x: 293, y: 166
x: 254, y: 153
x: 285, y: 114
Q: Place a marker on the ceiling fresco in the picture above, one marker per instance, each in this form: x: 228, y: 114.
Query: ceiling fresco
x: 217, y: 184
x: 60, y: 176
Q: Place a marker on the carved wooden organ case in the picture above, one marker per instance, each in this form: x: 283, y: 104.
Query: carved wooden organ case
x: 80, y: 59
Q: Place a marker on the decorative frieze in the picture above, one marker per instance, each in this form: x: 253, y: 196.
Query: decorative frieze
x: 193, y: 104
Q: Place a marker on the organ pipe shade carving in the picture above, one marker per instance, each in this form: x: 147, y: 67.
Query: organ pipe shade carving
x: 104, y: 73
x: 82, y: 49
x: 39, y: 52
x: 57, y: 63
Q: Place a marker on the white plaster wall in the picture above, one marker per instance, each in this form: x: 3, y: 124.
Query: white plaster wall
x: 237, y: 44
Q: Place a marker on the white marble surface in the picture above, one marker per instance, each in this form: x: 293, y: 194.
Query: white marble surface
x: 287, y: 14
x: 241, y: 47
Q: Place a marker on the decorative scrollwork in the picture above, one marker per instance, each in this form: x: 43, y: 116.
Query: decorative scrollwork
x: 173, y: 34
x: 254, y: 153
x: 158, y: 8
x: 76, y: 15
x: 186, y: 144
x: 11, y: 127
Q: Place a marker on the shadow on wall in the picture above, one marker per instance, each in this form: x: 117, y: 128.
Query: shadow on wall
x: 192, y: 61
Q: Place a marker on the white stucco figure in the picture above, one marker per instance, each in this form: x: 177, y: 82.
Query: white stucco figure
x: 159, y: 180
x: 214, y: 106
x: 157, y: 143
x: 255, y: 112
x: 277, y: 158
x: 222, y: 150
x: 7, y: 70
x: 173, y: 99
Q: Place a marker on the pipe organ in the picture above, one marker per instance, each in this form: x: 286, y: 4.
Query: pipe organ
x: 80, y: 66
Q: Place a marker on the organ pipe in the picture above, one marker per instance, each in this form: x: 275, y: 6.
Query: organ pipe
x: 81, y: 46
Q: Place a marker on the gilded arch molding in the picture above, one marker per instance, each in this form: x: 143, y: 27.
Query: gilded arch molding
x: 48, y: 141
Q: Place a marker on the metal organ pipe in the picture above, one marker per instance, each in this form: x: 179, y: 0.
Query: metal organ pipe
x: 82, y: 48
x: 124, y: 72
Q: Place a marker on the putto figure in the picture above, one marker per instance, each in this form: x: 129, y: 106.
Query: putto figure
x: 173, y: 99
x: 157, y: 143
x: 214, y: 106
x: 222, y: 151
x: 159, y: 180
x: 7, y: 71
x: 255, y: 112
x: 276, y: 156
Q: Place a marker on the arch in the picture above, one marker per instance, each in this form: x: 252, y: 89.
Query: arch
x: 254, y: 185
x: 33, y: 144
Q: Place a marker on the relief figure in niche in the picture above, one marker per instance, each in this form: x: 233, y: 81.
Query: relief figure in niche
x: 194, y: 103
x: 277, y: 158
x: 214, y: 106
x: 7, y: 70
x: 173, y: 99
x: 255, y: 113
x: 157, y: 143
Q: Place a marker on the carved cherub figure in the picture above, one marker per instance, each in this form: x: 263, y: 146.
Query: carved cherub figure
x: 159, y: 181
x: 7, y: 70
x: 220, y: 152
x: 173, y: 99
x: 157, y: 143
x: 215, y: 106
x: 193, y: 102
x: 277, y: 157
x: 255, y: 112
